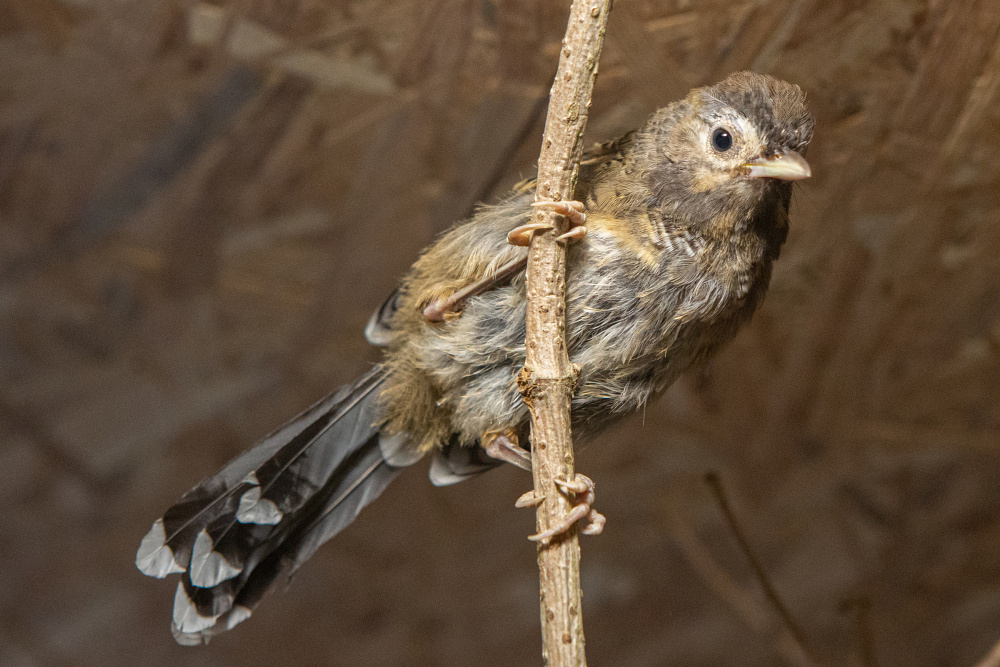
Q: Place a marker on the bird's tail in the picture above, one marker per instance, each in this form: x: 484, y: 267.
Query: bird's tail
x: 260, y: 517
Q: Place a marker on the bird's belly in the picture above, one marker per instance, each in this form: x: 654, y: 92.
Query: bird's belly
x: 629, y: 350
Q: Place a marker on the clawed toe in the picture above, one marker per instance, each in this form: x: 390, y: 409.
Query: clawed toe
x: 503, y: 446
x: 580, y: 484
x: 528, y: 499
x: 574, y: 234
x: 573, y: 212
x: 522, y: 235
x: 582, y: 488
x: 595, y: 523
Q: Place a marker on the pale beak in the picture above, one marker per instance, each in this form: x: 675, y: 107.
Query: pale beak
x: 787, y: 167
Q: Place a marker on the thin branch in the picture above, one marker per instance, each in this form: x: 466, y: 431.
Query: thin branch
x: 739, y: 600
x: 765, y: 581
x: 548, y: 378
x: 861, y: 606
x: 31, y: 427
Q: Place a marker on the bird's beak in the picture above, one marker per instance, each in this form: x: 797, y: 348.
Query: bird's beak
x: 787, y: 167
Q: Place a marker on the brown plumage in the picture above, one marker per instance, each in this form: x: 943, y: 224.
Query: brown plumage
x: 684, y: 218
x: 678, y: 254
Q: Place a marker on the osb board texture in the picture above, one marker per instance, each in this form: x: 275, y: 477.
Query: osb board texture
x: 194, y: 232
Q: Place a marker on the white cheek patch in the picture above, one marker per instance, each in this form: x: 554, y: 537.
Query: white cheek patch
x: 751, y: 143
x: 747, y: 141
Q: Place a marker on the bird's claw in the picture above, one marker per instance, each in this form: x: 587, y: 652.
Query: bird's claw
x: 571, y: 210
x: 582, y: 488
x: 503, y: 446
x: 528, y: 499
x: 581, y: 484
x: 522, y: 235
x: 574, y: 234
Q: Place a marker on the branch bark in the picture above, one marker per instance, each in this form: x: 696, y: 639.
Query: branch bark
x: 548, y: 378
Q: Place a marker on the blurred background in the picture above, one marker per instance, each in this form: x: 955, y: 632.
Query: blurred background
x: 201, y: 203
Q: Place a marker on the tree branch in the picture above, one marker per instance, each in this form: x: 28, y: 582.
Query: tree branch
x: 547, y: 380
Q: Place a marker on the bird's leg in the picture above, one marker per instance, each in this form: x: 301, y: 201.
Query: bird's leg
x: 522, y: 235
x: 438, y: 309
x: 573, y: 212
x: 503, y: 446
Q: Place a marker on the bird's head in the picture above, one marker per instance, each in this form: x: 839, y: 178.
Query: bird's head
x: 730, y: 147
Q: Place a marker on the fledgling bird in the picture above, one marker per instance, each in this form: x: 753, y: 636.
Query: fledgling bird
x: 683, y: 219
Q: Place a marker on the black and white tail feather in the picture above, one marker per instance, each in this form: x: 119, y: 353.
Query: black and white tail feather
x: 252, y: 524
x: 240, y: 531
x: 266, y: 512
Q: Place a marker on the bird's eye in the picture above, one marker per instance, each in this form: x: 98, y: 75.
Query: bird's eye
x: 722, y: 141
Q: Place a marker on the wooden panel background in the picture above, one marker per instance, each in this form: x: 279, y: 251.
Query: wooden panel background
x: 201, y: 203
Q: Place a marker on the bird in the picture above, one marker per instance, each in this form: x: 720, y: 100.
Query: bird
x: 674, y: 228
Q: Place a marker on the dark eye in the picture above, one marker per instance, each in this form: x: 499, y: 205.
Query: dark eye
x: 722, y: 141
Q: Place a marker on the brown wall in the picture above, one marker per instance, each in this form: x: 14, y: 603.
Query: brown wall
x: 193, y: 232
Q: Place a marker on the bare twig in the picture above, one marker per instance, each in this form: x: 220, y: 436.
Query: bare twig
x: 861, y: 606
x: 739, y: 600
x: 548, y: 378
x: 60, y: 458
x: 765, y: 581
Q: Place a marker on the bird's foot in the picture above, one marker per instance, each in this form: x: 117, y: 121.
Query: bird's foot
x: 522, y: 235
x: 503, y: 446
x: 581, y: 488
x: 439, y: 309
x: 529, y: 499
x: 451, y: 305
x: 573, y: 212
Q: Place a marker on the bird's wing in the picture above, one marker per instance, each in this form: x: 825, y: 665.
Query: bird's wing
x: 598, y: 156
x: 379, y: 331
x: 491, y: 274
x: 609, y: 151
